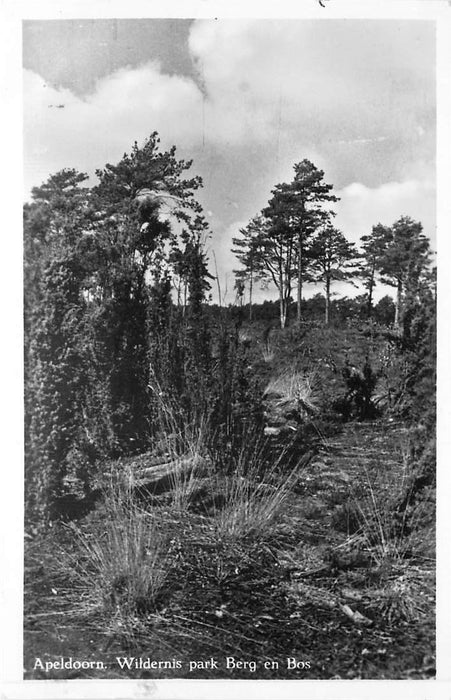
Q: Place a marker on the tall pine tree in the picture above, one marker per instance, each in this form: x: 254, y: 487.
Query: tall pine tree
x: 301, y: 204
x: 404, y: 261
x: 333, y: 260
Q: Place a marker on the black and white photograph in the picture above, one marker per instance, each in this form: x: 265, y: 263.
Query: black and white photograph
x: 230, y: 236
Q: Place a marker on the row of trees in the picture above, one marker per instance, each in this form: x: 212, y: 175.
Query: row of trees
x: 293, y: 241
x: 343, y: 310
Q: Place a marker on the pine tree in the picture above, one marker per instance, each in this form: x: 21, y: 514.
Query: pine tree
x: 247, y: 251
x: 274, y: 245
x: 333, y: 258
x: 275, y: 255
x: 131, y: 203
x: 300, y: 204
x: 374, y: 247
x: 405, y: 259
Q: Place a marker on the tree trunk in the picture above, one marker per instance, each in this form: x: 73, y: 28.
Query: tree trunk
x: 369, y: 310
x: 251, y: 284
x: 370, y: 294
x: 185, y: 293
x: 282, y: 306
x: 283, y: 311
x: 299, y: 299
x: 398, y: 304
x: 327, y: 301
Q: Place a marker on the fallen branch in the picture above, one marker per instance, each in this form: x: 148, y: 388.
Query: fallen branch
x: 168, y: 473
x: 356, y: 617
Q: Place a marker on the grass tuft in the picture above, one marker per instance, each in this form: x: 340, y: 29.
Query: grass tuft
x: 123, y: 566
x: 294, y: 387
x: 255, y: 493
x: 386, y: 531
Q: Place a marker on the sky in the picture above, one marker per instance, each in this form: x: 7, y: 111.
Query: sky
x: 246, y: 100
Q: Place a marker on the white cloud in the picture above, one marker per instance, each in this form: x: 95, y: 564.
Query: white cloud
x: 126, y: 106
x: 288, y: 87
x: 309, y: 78
x: 361, y: 207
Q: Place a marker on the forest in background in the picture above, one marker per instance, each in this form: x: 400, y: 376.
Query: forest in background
x: 129, y: 367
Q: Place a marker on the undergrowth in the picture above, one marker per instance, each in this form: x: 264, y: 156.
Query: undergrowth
x: 199, y: 568
x: 132, y: 559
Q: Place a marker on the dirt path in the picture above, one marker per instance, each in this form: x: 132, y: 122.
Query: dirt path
x: 362, y: 458
x: 369, y: 599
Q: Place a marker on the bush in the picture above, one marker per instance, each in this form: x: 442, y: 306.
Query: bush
x: 358, y: 400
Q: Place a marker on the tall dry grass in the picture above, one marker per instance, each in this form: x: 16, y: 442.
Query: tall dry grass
x: 255, y: 493
x: 386, y: 530
x: 294, y: 387
x: 123, y: 564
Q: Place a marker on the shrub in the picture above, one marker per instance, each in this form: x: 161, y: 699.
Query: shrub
x: 358, y: 399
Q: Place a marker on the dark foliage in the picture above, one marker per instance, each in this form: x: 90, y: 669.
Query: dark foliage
x: 360, y: 384
x: 100, y: 321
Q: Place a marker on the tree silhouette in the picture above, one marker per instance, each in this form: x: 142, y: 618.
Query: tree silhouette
x: 405, y: 260
x: 374, y: 247
x: 333, y: 258
x: 299, y: 205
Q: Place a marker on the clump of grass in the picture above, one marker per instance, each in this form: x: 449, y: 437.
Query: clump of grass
x: 246, y: 495
x: 373, y: 519
x: 244, y: 337
x: 255, y: 492
x: 123, y: 565
x: 268, y: 353
x: 385, y: 531
x: 293, y: 387
x: 179, y: 440
x: 408, y: 597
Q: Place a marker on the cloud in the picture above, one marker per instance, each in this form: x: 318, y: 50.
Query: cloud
x: 360, y: 207
x: 314, y: 80
x: 126, y: 106
x: 283, y: 86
